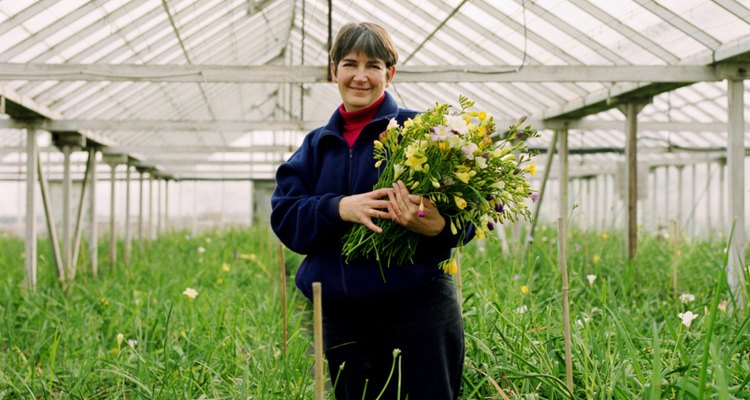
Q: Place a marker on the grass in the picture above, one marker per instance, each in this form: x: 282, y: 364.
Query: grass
x: 628, y: 341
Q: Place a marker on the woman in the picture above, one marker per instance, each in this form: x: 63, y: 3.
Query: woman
x: 324, y: 188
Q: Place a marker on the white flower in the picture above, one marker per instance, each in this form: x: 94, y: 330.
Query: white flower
x: 591, y: 278
x: 687, y: 298
x: 201, y: 249
x: 132, y: 343
x: 441, y: 133
x: 516, y: 277
x: 522, y: 309
x: 392, y: 124
x: 208, y: 240
x: 579, y: 323
x: 595, y: 310
x: 469, y: 150
x: 120, y: 338
x: 456, y: 123
x: 687, y: 318
x: 190, y: 293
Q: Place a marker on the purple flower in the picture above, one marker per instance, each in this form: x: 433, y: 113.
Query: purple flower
x: 534, y: 197
x: 489, y: 197
x: 499, y: 207
x: 420, y: 214
x: 491, y: 226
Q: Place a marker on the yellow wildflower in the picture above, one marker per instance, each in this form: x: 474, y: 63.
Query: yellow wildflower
x: 531, y: 168
x: 452, y: 267
x: 596, y: 259
x: 480, y: 234
x: 605, y: 235
x: 225, y: 267
x: 463, y: 176
x: 378, y: 144
x: 482, y: 115
x: 378, y: 164
x: 460, y: 202
x: 524, y: 290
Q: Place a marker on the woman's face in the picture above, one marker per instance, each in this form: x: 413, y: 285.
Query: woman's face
x: 361, y: 80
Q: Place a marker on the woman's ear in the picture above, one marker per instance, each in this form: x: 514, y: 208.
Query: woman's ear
x: 333, y: 73
x: 389, y: 74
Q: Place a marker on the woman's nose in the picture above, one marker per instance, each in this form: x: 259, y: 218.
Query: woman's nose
x: 360, y: 75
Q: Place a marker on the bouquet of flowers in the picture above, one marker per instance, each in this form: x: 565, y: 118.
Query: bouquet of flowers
x: 455, y: 158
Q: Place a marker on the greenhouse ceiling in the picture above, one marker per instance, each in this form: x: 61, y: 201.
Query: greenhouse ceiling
x: 226, y: 89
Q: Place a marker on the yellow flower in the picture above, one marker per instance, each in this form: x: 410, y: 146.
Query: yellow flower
x: 524, y: 290
x: 105, y: 302
x: 596, y: 259
x: 225, y: 267
x: 378, y: 144
x: 532, y: 169
x: 480, y: 234
x: 452, y: 267
x: 605, y: 235
x: 460, y: 202
x: 415, y: 157
x: 378, y: 164
x: 482, y: 115
x: 463, y: 176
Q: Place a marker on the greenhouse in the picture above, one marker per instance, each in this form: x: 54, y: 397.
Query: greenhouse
x: 168, y: 187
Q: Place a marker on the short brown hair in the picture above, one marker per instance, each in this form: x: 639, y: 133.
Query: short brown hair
x: 367, y: 38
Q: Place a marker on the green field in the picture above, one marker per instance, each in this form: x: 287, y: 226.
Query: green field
x: 227, y: 343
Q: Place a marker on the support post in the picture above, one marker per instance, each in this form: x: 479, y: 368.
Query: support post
x: 140, y: 205
x: 562, y: 136
x: 67, y: 243
x: 127, y: 244
x: 158, y: 206
x: 150, y: 228
x: 166, y: 205
x: 32, y: 153
x: 631, y: 110
x: 736, y: 158
x: 113, y: 160
x: 93, y: 234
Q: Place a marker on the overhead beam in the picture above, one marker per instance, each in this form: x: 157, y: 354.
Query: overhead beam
x: 249, y: 126
x: 318, y: 74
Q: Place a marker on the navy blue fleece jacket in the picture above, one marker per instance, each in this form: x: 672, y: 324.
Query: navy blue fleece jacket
x: 306, y: 219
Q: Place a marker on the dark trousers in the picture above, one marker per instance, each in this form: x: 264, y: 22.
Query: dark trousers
x: 425, y: 325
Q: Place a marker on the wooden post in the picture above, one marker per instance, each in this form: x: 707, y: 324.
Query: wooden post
x: 736, y: 158
x: 562, y: 136
x: 631, y: 110
x: 566, y: 311
x: 127, y: 243
x: 32, y: 154
x: 318, y: 340
x: 93, y: 234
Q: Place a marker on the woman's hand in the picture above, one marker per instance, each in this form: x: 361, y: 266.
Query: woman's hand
x: 362, y: 208
x: 404, y: 210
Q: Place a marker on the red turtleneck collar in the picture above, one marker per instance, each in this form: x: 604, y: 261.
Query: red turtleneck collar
x: 354, y: 121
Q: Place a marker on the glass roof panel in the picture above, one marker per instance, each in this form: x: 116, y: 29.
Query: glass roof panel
x: 710, y: 18
x: 13, y: 7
